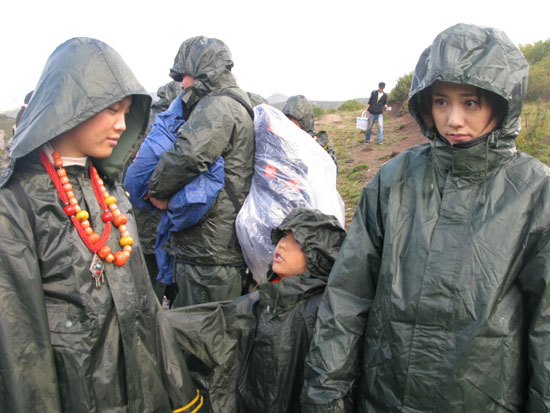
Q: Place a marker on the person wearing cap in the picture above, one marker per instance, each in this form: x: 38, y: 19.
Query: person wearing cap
x: 375, y: 107
x: 218, y: 122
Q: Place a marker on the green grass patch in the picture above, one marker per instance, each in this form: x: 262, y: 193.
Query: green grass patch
x: 534, y: 138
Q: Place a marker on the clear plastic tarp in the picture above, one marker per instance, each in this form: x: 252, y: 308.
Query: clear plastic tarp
x: 290, y: 170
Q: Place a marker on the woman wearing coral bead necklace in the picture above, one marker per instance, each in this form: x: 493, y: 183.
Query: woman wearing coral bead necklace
x: 81, y: 329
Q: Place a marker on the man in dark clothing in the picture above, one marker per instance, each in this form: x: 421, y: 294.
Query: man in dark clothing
x: 375, y: 107
x: 209, y: 261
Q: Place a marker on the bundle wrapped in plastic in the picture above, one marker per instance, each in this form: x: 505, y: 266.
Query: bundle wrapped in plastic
x: 290, y: 170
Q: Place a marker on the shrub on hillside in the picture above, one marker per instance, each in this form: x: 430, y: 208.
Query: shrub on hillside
x: 400, y: 92
x: 318, y: 111
x: 538, y: 56
x: 534, y: 53
x: 539, y: 81
x: 351, y: 105
x: 534, y: 138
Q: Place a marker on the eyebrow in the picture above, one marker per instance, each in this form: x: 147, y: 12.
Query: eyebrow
x: 463, y: 94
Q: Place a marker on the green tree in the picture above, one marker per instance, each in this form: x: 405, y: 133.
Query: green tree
x: 539, y: 81
x: 401, y: 90
x: 351, y: 105
x: 534, y: 53
x: 318, y: 111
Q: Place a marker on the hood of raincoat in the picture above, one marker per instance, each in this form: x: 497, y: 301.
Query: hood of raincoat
x: 300, y: 109
x: 208, y: 61
x: 82, y: 77
x: 477, y: 56
x: 319, y: 235
x: 255, y: 99
x: 166, y: 94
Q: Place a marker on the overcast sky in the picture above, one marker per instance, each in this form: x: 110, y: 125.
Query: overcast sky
x: 325, y: 50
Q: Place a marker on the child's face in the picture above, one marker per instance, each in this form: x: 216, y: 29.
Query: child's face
x: 460, y: 113
x: 288, y: 257
x: 97, y: 136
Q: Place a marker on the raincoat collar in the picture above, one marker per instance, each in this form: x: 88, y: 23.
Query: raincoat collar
x: 287, y: 293
x: 473, y: 162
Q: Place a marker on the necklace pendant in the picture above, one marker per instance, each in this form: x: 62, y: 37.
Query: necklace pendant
x: 96, y: 270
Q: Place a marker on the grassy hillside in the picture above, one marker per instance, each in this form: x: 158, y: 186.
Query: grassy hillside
x: 6, y: 123
x: 534, y: 138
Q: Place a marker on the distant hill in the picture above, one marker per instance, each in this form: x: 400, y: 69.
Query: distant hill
x: 278, y: 100
x: 10, y: 113
x: 327, y: 104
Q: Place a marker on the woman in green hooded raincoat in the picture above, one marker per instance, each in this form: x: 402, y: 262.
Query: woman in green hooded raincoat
x: 439, y: 299
x: 81, y: 329
x: 254, y: 347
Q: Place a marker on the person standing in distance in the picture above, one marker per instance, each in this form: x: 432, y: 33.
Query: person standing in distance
x: 375, y: 107
x: 218, y: 122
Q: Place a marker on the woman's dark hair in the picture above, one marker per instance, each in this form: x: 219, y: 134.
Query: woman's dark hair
x: 499, y: 106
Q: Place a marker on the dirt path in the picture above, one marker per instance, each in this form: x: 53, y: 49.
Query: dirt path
x: 400, y: 133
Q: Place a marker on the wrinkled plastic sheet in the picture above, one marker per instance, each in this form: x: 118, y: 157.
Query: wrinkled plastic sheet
x: 290, y: 170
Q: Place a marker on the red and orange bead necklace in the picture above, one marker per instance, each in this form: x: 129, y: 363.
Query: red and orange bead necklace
x: 80, y: 218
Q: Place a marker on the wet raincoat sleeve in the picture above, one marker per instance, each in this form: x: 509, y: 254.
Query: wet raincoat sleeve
x: 28, y: 379
x: 332, y: 363
x: 218, y: 334
x: 201, y: 140
x: 536, y: 283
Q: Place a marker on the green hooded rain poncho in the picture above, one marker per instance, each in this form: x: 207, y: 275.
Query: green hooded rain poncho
x: 255, y: 346
x: 301, y: 109
x: 439, y: 300
x: 66, y: 345
x: 215, y: 126
x: 209, y: 262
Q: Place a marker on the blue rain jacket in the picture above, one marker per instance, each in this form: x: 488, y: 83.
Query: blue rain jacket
x: 189, y: 204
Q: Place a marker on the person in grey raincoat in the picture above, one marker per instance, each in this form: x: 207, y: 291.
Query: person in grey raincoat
x: 255, y: 346
x: 299, y: 110
x: 255, y: 99
x: 439, y: 299
x: 81, y: 329
x: 218, y: 122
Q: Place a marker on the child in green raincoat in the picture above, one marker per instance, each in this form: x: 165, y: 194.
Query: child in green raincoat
x: 253, y: 348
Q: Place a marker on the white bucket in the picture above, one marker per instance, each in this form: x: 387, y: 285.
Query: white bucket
x: 362, y: 121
